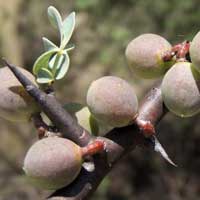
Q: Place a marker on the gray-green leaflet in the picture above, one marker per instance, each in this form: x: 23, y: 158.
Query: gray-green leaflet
x: 53, y: 64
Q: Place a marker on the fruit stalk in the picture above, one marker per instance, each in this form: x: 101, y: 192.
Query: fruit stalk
x: 92, y: 148
x: 180, y: 50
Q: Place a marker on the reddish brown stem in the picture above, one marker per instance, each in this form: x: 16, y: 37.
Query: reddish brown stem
x: 146, y: 127
x: 183, y: 51
x: 93, y: 148
x: 177, y: 52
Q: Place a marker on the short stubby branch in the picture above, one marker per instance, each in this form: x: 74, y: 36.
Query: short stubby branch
x: 151, y: 111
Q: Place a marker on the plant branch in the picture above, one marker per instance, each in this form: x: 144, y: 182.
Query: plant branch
x: 118, y: 142
x: 54, y: 110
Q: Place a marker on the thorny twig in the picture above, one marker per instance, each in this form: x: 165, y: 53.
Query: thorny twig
x: 118, y: 142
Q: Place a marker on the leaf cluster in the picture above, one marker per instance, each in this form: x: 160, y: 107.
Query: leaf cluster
x: 53, y: 64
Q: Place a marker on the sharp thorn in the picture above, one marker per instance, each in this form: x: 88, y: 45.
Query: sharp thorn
x: 159, y: 149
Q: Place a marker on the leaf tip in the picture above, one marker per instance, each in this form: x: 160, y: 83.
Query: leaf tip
x: 73, y: 13
x: 50, y: 8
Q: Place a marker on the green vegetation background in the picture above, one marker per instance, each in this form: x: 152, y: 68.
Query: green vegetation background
x: 103, y: 29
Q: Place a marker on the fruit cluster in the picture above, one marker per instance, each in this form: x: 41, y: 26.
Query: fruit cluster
x: 55, y: 162
x: 151, y: 56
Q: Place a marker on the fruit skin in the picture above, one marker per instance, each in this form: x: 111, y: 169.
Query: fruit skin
x: 112, y: 101
x: 52, y: 163
x: 144, y: 55
x: 15, y: 103
x: 195, y: 51
x: 181, y: 90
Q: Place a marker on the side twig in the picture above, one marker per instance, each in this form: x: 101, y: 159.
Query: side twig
x: 54, y: 110
x: 119, y: 142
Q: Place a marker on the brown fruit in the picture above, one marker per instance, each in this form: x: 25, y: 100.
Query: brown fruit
x: 144, y: 55
x: 112, y: 101
x: 181, y: 90
x: 53, y: 163
x: 15, y: 103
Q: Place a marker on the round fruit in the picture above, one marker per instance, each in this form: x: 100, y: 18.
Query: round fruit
x: 195, y: 51
x: 144, y: 55
x: 112, y: 101
x: 15, y: 103
x: 53, y: 163
x: 181, y: 90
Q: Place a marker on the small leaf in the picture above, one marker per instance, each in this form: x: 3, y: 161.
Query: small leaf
x: 94, y: 126
x: 67, y: 29
x: 55, y: 18
x: 59, y: 64
x: 43, y: 61
x: 48, y: 45
x: 44, y: 76
x: 55, y: 60
x: 63, y: 66
x: 72, y: 107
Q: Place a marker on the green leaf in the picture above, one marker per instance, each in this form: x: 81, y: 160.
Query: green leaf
x: 67, y: 29
x: 48, y: 45
x: 43, y: 61
x: 55, y: 60
x: 44, y: 76
x: 55, y: 18
x: 72, y: 107
x: 94, y: 126
x: 59, y: 65
x: 63, y: 66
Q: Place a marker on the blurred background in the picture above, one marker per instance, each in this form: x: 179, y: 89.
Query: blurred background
x: 103, y: 29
